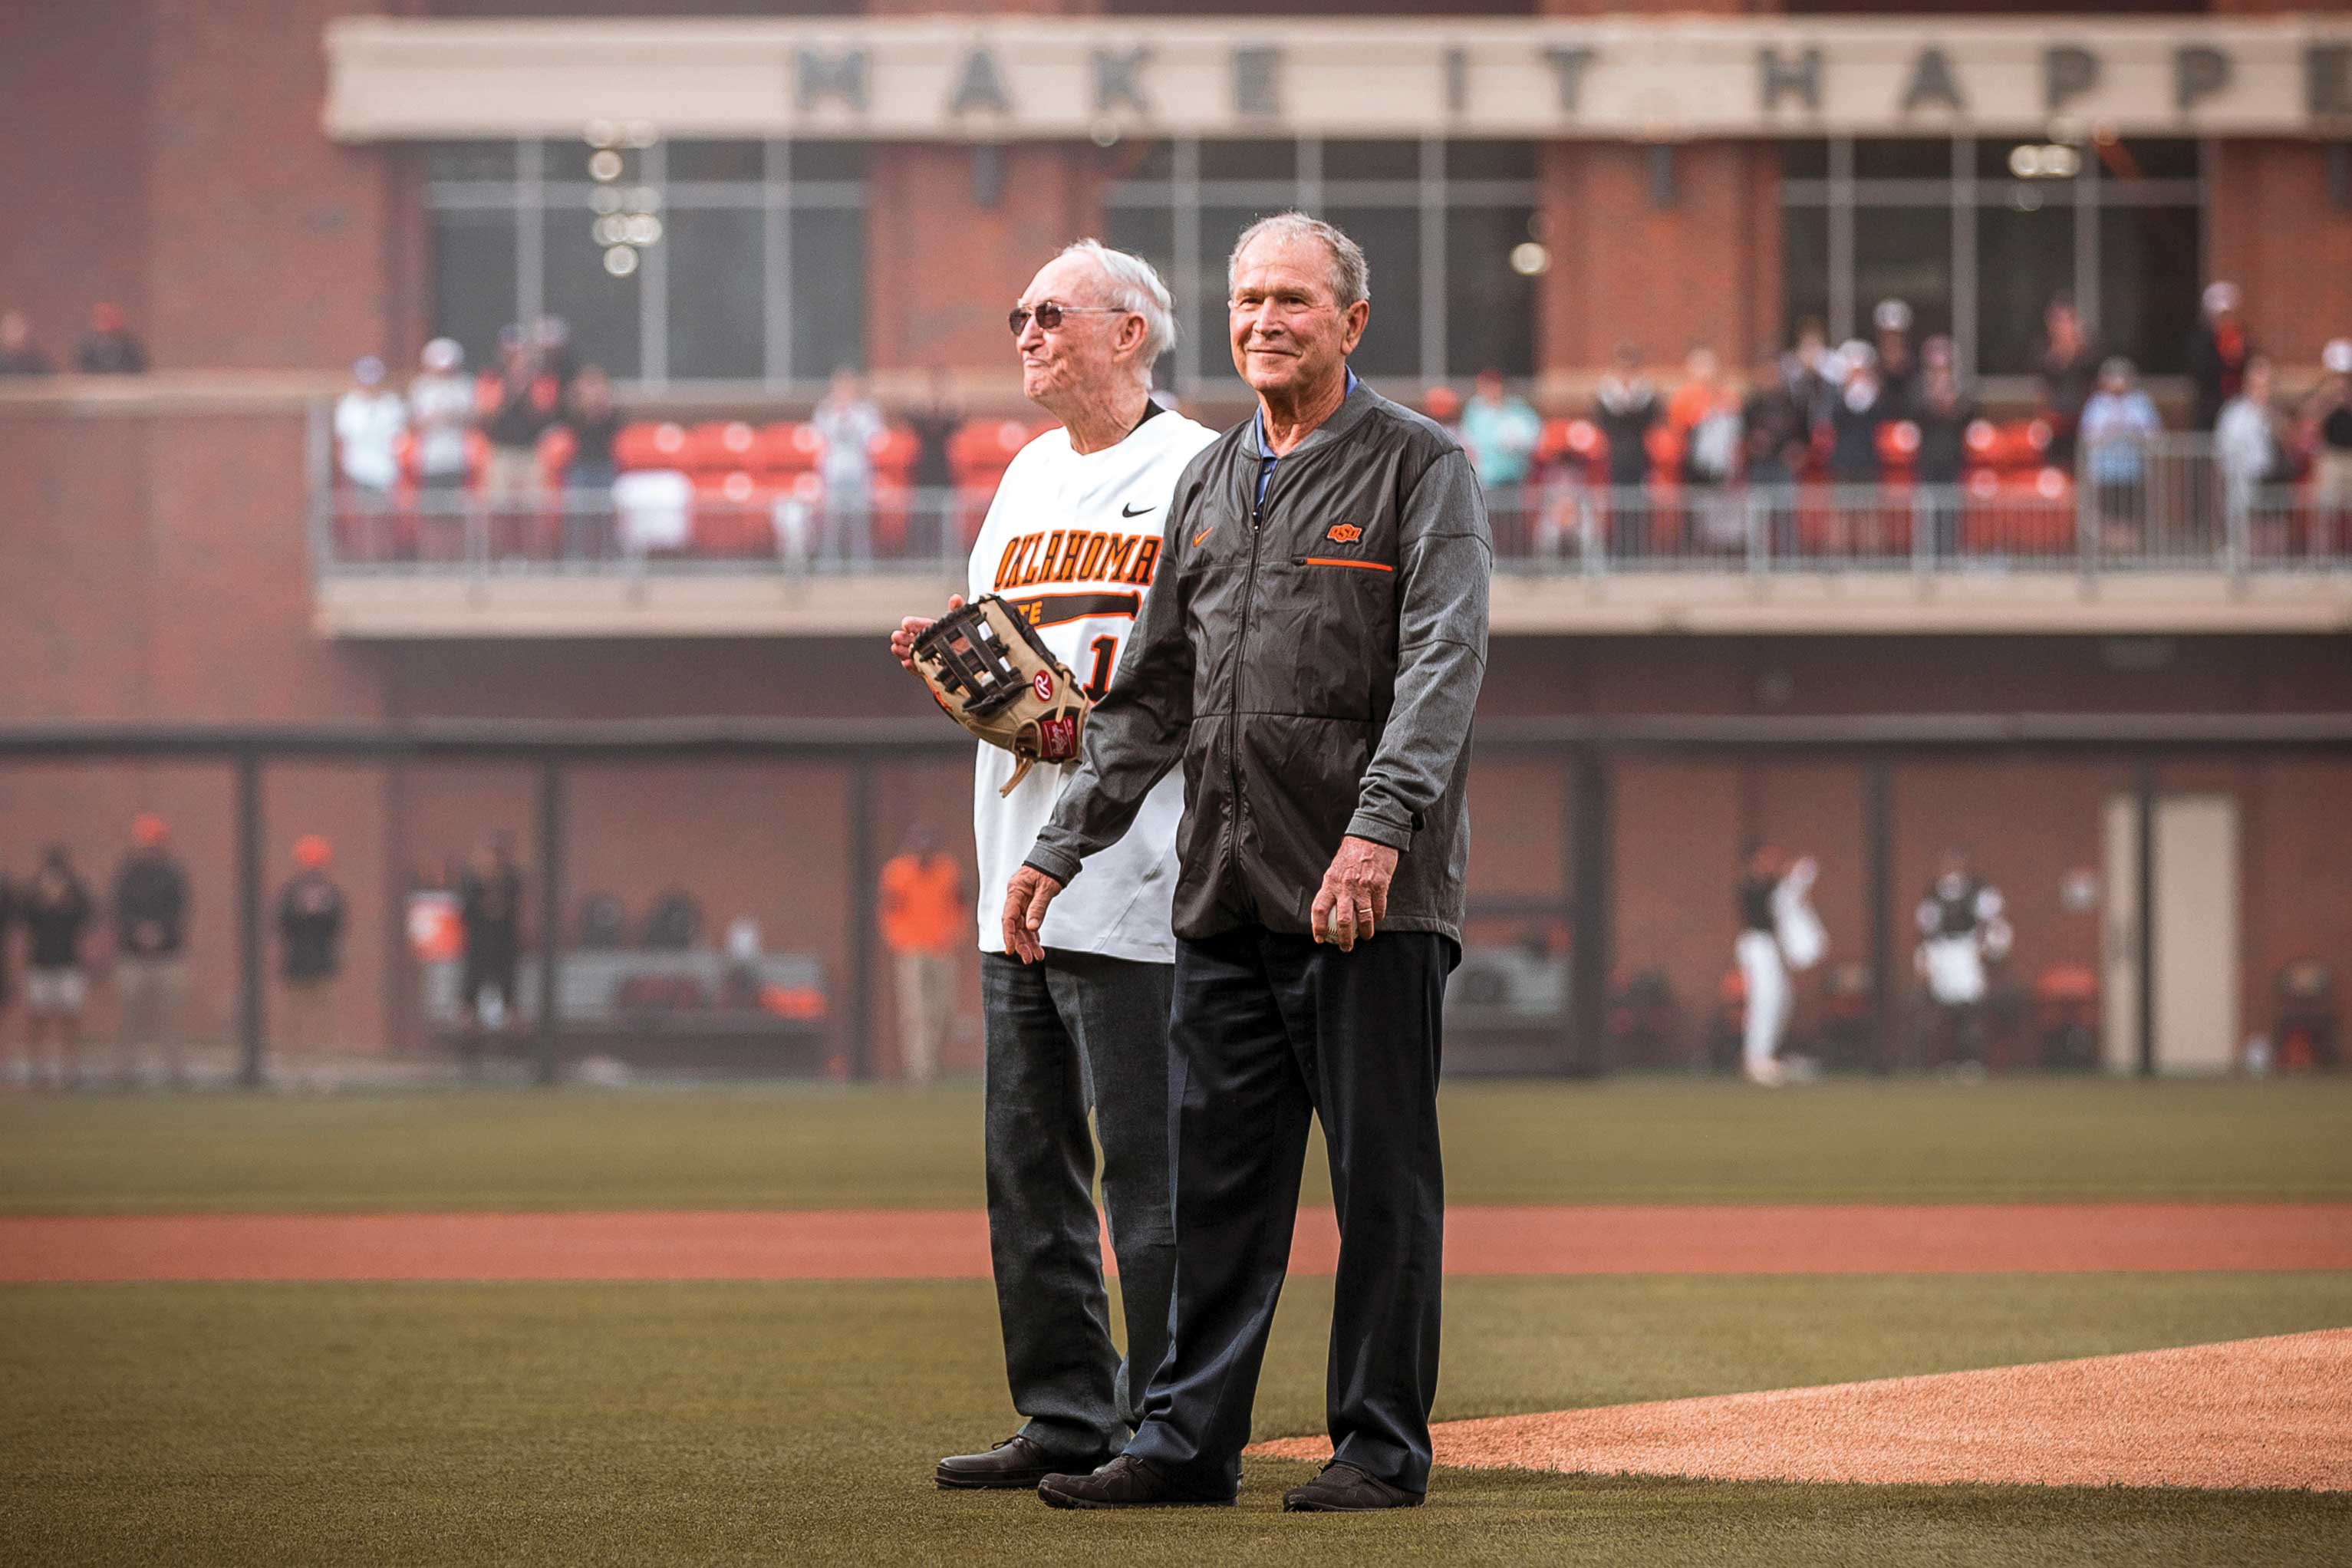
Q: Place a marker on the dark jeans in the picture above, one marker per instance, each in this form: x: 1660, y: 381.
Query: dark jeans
x: 1270, y: 1029
x: 1074, y: 1032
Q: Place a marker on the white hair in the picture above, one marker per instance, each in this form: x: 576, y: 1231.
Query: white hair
x: 1132, y: 285
x: 1351, y: 275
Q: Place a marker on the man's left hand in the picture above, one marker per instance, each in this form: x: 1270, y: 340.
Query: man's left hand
x: 1354, y: 897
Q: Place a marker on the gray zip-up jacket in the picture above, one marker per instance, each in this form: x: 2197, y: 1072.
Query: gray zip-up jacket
x: 1313, y: 663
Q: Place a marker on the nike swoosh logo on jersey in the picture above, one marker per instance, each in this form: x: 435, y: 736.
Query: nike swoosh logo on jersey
x: 1133, y: 511
x: 1204, y: 534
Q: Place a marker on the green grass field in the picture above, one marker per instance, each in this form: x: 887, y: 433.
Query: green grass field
x: 1633, y: 1141
x: 797, y: 1422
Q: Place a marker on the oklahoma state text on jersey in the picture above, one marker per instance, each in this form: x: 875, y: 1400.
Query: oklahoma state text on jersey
x: 1077, y: 555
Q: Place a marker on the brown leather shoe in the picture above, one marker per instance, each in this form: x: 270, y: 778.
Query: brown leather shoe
x: 1124, y: 1483
x: 1344, y: 1488
x: 1015, y: 1465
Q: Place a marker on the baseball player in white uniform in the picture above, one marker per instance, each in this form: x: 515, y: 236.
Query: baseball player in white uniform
x: 1962, y: 924
x: 1778, y: 933
x: 1073, y: 540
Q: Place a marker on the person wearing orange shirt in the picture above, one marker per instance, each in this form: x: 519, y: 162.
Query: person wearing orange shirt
x: 922, y: 916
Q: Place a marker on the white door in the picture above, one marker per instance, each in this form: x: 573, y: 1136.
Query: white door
x: 2196, y: 934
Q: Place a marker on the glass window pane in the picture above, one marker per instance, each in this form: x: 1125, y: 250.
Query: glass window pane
x: 1391, y: 240
x: 601, y: 309
x: 828, y: 161
x: 1904, y: 253
x: 716, y: 160
x: 470, y: 161
x: 1490, y: 160
x: 1139, y: 160
x: 1490, y: 310
x: 568, y: 161
x: 1151, y: 232
x: 2149, y: 283
x: 1903, y: 158
x: 2026, y: 255
x: 1804, y: 160
x: 1249, y: 160
x: 2149, y: 158
x: 1804, y: 268
x: 473, y: 279
x: 718, y: 272
x: 828, y: 291
x: 1372, y: 161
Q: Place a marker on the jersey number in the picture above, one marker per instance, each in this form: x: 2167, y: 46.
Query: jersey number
x: 1106, y: 652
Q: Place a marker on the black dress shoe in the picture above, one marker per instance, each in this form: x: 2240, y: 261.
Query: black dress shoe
x: 1124, y: 1483
x: 1016, y: 1464
x: 1343, y: 1488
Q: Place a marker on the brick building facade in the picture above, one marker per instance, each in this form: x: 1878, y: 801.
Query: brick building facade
x: 169, y: 155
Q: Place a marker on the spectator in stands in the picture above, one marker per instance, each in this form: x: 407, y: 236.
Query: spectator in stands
x: 2328, y: 417
x: 1943, y: 414
x: 923, y: 915
x: 594, y: 422
x: 2217, y: 351
x: 2118, y: 424
x: 551, y: 346
x: 1809, y: 376
x: 310, y: 937
x: 150, y: 948
x: 1500, y: 433
x: 489, y: 912
x: 935, y: 425
x: 2249, y: 443
x: 1704, y: 415
x: 109, y: 348
x: 20, y: 354
x: 1444, y: 404
x: 1625, y: 407
x: 1774, y: 445
x: 1855, y: 415
x: 440, y: 411
x: 517, y: 408
x: 2069, y: 375
x: 368, y: 421
x: 850, y: 422
x: 1898, y: 367
x: 56, y: 908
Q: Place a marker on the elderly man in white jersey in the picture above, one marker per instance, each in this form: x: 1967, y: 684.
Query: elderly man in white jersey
x: 1073, y: 539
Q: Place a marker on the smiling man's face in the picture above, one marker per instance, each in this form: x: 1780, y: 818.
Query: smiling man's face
x: 1289, y: 334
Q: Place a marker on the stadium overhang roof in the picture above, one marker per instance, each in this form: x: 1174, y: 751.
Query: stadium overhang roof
x: 1636, y: 79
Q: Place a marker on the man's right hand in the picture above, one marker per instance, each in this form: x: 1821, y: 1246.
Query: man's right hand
x: 902, y: 641
x: 1026, y: 901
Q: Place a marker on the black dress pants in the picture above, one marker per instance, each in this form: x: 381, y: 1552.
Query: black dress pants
x: 1267, y: 1030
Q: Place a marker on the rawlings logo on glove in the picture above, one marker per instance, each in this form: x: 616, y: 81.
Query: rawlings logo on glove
x: 986, y: 665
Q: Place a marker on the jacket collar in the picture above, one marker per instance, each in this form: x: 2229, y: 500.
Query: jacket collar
x: 1352, y: 408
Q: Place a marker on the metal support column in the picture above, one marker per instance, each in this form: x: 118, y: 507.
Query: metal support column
x: 550, y: 917
x: 250, y: 1024
x: 862, y: 914
x: 1592, y: 900
x: 2144, y: 808
x: 1878, y: 898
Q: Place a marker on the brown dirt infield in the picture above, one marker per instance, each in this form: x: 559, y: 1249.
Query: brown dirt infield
x: 953, y: 1243
x: 2249, y: 1413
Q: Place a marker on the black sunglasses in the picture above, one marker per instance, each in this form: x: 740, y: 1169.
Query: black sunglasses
x: 1049, y: 314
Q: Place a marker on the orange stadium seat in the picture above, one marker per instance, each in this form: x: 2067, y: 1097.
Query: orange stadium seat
x: 2019, y: 514
x: 732, y: 514
x: 2010, y: 446
x: 1899, y: 451
x: 721, y: 446
x: 787, y: 447
x: 650, y: 446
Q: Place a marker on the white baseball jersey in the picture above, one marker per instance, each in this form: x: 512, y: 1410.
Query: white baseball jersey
x: 1073, y: 539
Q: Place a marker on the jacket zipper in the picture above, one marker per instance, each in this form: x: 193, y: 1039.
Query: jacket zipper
x: 1241, y: 647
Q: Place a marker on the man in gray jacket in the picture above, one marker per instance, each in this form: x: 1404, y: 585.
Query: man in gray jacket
x: 1311, y: 656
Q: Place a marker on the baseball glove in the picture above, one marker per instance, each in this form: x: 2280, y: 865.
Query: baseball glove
x: 986, y: 665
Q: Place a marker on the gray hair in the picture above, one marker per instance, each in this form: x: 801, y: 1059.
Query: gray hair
x: 1351, y: 275
x: 1132, y: 285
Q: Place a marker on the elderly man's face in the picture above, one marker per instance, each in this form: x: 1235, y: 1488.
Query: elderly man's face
x: 1080, y: 357
x: 1289, y: 333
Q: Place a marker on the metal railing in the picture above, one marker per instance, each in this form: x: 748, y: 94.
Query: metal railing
x: 2171, y: 507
